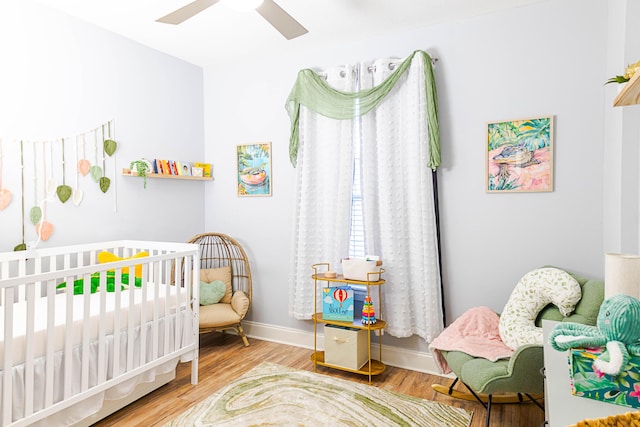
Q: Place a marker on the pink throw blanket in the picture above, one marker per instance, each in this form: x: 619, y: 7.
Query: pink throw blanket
x: 475, y: 333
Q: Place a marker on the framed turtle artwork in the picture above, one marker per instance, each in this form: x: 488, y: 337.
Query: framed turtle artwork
x: 254, y: 169
x: 520, y: 155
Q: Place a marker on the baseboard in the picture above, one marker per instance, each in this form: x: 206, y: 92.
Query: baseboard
x: 392, y: 356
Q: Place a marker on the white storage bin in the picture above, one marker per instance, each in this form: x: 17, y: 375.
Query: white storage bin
x: 345, y: 347
x: 357, y: 269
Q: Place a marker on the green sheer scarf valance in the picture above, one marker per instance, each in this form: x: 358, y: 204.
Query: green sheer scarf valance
x: 314, y: 93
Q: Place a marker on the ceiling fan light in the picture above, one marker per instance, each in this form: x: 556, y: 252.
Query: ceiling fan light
x: 242, y: 5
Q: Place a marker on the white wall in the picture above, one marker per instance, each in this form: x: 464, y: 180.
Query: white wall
x: 544, y: 59
x: 61, y: 77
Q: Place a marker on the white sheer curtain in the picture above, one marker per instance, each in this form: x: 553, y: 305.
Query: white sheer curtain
x: 398, y: 203
x: 397, y: 191
x: 324, y: 180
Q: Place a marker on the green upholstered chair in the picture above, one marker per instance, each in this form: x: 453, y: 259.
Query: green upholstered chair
x: 522, y: 373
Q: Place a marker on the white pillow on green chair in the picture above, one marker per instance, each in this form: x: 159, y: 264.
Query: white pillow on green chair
x: 533, y: 292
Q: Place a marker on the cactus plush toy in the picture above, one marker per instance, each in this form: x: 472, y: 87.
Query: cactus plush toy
x: 618, y: 330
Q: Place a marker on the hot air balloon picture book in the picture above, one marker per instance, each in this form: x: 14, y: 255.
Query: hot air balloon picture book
x: 337, y: 303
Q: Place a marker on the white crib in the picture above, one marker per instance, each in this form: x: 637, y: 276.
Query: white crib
x: 71, y: 354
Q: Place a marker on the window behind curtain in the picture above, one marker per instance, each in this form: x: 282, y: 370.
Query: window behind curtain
x: 356, y: 226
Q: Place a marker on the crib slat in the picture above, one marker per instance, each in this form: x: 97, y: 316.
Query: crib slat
x: 68, y: 338
x: 102, y: 369
x: 7, y: 389
x: 156, y: 296
x: 117, y: 325
x: 29, y: 349
x: 84, y: 362
x: 130, y: 330
x: 49, y: 368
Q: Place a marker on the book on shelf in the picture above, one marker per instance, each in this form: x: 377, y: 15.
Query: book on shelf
x: 173, y: 167
x: 206, y: 168
x: 185, y: 167
x: 166, y: 169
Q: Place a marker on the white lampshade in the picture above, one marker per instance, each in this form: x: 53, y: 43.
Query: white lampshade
x: 622, y: 275
x: 242, y: 5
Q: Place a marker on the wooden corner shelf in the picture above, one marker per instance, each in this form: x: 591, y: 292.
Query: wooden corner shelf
x: 630, y: 93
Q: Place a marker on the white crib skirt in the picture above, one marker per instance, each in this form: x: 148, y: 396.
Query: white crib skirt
x: 93, y: 404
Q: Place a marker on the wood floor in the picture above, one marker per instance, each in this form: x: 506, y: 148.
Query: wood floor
x: 224, y: 358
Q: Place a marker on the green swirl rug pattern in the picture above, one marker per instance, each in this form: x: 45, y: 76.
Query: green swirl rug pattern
x: 274, y: 395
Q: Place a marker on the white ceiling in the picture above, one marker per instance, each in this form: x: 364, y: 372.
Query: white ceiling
x: 219, y: 34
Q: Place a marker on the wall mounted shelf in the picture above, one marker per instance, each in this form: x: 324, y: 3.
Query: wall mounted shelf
x: 162, y: 176
x: 630, y: 93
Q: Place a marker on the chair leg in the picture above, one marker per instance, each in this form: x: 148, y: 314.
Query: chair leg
x: 489, y: 398
x: 242, y: 335
x: 453, y: 384
x: 475, y: 395
x: 535, y: 402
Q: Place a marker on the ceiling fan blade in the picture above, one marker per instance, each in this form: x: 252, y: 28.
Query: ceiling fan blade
x: 186, y: 12
x: 281, y: 20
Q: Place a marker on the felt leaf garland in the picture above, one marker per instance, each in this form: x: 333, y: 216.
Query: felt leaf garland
x: 77, y: 196
x: 52, y: 185
x: 104, y: 184
x: 96, y: 171
x: 44, y: 230
x: 77, y: 193
x: 35, y: 215
x: 5, y: 198
x: 64, y: 192
x: 110, y: 146
x: 84, y: 166
x: 5, y: 194
x: 22, y: 246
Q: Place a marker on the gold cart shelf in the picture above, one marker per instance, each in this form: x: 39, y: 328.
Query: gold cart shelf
x: 373, y: 366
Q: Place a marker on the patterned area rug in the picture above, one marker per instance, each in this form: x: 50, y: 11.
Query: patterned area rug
x: 274, y: 395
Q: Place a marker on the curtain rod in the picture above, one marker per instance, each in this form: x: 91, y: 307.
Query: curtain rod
x: 392, y: 65
x: 372, y: 68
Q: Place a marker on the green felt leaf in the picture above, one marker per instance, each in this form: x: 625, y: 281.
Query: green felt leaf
x: 35, y: 214
x: 64, y: 192
x: 20, y: 247
x: 96, y: 173
x: 104, y: 184
x: 110, y: 146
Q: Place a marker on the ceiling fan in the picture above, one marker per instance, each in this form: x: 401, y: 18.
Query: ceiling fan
x: 274, y: 14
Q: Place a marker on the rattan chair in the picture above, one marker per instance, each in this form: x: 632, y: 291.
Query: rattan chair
x: 216, y: 251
